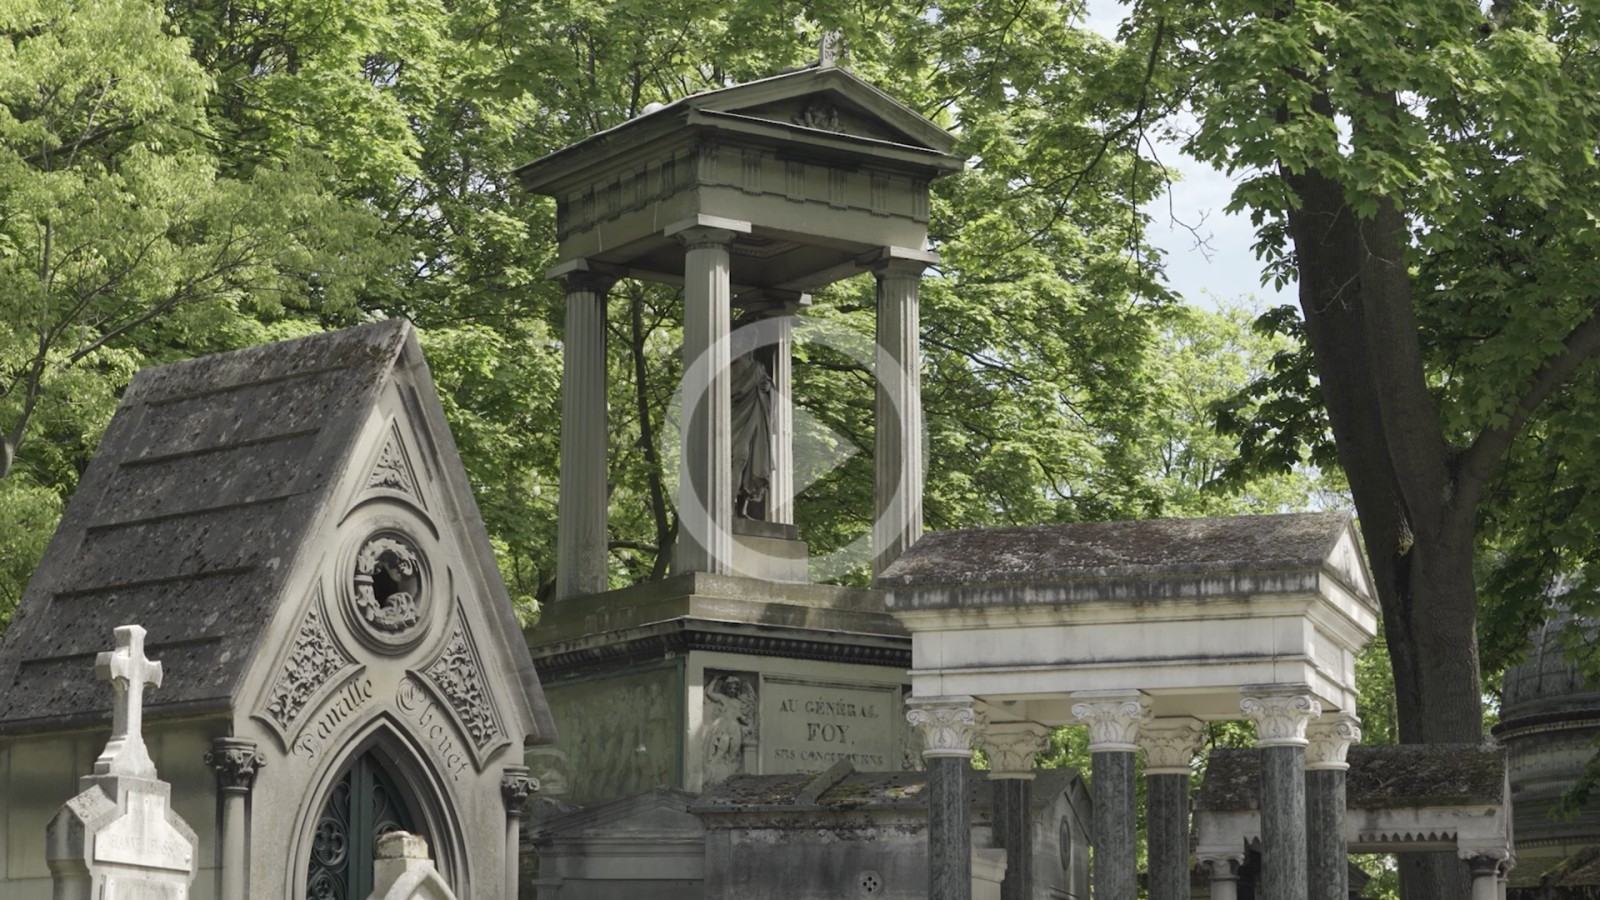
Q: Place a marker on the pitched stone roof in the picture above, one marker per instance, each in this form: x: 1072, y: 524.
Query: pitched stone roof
x: 190, y: 517
x: 1407, y: 776
x: 1110, y: 549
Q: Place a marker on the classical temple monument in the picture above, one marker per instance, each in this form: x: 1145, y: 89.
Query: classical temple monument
x: 269, y: 655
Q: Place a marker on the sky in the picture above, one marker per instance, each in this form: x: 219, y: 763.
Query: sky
x: 1224, y: 269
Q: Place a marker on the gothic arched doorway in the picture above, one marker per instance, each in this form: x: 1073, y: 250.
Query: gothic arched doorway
x: 365, y: 803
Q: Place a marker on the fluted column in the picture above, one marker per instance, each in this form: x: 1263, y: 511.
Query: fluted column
x: 705, y: 476
x: 1281, y: 717
x: 515, y: 787
x: 1327, y: 864
x: 780, y: 493
x: 236, y: 762
x: 1169, y: 746
x: 948, y: 726
x: 1114, y: 720
x: 1012, y: 748
x: 897, y: 446
x: 582, y: 543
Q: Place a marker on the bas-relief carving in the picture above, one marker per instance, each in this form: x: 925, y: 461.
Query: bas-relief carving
x: 617, y: 736
x: 730, y: 718
x: 389, y: 592
x: 314, y: 660
x: 393, y: 471
x: 820, y: 114
x: 458, y: 676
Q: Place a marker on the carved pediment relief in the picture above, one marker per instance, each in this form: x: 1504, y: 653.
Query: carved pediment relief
x: 828, y: 111
x: 391, y: 471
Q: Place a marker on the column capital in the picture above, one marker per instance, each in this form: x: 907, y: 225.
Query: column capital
x: 585, y: 276
x: 1328, y: 739
x: 236, y: 762
x: 1280, y: 715
x: 948, y: 725
x: 1011, y: 748
x: 898, y: 261
x: 701, y: 230
x: 1221, y: 865
x: 515, y: 786
x: 1169, y: 744
x: 1113, y: 719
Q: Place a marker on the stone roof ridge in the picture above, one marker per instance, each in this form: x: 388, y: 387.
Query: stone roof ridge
x: 188, y: 521
x: 1400, y: 776
x: 675, y: 802
x: 1031, y: 553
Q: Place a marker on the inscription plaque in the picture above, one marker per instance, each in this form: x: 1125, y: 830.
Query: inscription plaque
x: 809, y: 724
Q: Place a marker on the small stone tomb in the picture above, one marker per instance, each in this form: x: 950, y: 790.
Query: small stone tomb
x: 864, y: 834
x: 119, y: 837
x: 645, y: 845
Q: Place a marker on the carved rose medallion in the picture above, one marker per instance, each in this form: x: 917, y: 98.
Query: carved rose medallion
x: 388, y: 592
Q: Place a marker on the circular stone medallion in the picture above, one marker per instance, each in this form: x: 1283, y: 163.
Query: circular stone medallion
x: 389, y: 603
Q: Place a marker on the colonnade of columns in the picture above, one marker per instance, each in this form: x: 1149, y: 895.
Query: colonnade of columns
x: 705, y: 501
x: 1303, y: 756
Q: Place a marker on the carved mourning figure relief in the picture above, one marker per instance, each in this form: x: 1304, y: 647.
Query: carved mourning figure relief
x: 730, y: 722
x: 750, y: 390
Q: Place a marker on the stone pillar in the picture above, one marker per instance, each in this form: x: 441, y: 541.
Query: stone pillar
x: 582, y: 541
x: 780, y: 493
x: 236, y: 761
x: 1011, y: 748
x: 1113, y: 720
x: 1485, y: 868
x: 705, y: 479
x: 1327, y: 864
x: 897, y: 446
x: 1224, y: 872
x: 948, y: 726
x: 515, y: 787
x: 1281, y: 717
x: 1169, y: 746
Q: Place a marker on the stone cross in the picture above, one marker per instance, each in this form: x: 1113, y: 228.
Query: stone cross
x: 130, y: 672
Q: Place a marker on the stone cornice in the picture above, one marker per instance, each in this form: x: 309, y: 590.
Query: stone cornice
x: 1113, y: 720
x: 1169, y: 744
x: 948, y: 725
x: 686, y: 635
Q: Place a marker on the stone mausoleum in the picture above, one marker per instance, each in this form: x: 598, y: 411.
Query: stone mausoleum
x: 338, y: 657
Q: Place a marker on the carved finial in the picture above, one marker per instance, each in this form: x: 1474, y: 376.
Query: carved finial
x: 832, y: 49
x: 130, y: 672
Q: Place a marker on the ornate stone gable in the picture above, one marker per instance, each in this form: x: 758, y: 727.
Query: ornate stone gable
x: 315, y: 660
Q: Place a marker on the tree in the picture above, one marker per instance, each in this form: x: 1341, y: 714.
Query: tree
x: 1422, y: 170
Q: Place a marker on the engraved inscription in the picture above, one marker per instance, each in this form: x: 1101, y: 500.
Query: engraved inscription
x: 808, y: 726
x: 340, y: 707
x: 143, y: 837
x: 120, y: 888
x: 416, y: 705
x: 313, y: 661
x: 457, y: 674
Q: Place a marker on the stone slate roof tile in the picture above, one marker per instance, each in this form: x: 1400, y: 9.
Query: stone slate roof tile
x: 188, y: 521
x: 1038, y: 553
x: 858, y: 791
x: 1393, y: 777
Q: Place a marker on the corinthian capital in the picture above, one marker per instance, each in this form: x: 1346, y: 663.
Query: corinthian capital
x: 1280, y: 718
x: 1113, y: 720
x: 515, y: 786
x: 948, y: 725
x: 1169, y: 745
x: 236, y: 762
x: 1328, y: 740
x: 1012, y: 746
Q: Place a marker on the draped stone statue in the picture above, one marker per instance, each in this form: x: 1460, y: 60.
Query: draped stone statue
x: 751, y: 388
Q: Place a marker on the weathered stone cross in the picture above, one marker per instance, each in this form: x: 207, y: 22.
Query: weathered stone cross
x: 130, y: 672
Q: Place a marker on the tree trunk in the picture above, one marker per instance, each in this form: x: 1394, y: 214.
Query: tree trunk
x: 1419, y: 529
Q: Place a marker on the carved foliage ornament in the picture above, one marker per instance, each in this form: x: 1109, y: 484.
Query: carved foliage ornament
x: 236, y: 762
x: 1281, y: 719
x: 388, y: 584
x: 1113, y: 723
x: 947, y: 729
x: 515, y: 787
x: 1011, y: 748
x: 820, y: 114
x: 314, y: 659
x: 393, y: 471
x: 1169, y: 745
x: 1328, y: 741
x: 459, y: 678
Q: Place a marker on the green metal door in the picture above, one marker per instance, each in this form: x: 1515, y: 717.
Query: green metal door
x: 363, y: 805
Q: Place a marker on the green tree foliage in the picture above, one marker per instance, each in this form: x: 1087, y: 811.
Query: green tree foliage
x: 1419, y: 169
